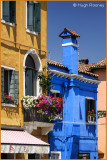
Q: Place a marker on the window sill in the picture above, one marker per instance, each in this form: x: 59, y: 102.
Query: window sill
x: 8, y: 23
x: 8, y: 105
x: 91, y: 122
x: 32, y: 32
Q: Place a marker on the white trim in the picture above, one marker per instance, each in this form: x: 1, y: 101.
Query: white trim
x: 3, y: 21
x: 26, y: 14
x: 54, y: 91
x: 74, y: 76
x: 27, y: 30
x: 91, y: 98
x: 35, y: 2
x: 70, y: 44
x: 7, y: 67
x: 8, y: 105
x: 32, y: 32
x: 38, y: 66
x: 8, y: 23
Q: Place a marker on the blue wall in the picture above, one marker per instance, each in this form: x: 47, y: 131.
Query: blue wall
x: 70, y: 55
x: 72, y: 135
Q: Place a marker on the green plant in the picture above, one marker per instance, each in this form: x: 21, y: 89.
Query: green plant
x: 8, y: 99
x: 47, y: 106
x: 45, y: 79
x: 91, y: 113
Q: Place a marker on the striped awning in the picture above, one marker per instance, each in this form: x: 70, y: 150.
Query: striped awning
x: 22, y: 142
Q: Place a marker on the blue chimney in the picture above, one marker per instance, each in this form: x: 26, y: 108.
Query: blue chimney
x: 70, y: 50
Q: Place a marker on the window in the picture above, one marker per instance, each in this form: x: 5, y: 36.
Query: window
x: 7, y: 156
x: 34, y: 156
x: 33, y: 16
x: 30, y: 77
x: 56, y: 93
x: 83, y: 155
x: 90, y: 110
x: 7, y: 77
x: 9, y: 11
x: 55, y: 155
x: 9, y: 84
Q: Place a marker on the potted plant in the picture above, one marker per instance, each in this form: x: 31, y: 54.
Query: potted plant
x: 91, y: 116
x: 8, y: 99
x: 46, y: 107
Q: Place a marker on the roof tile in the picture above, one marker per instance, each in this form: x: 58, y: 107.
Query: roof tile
x: 83, y: 68
x: 70, y: 31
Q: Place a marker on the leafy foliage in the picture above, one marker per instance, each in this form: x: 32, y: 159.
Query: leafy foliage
x: 45, y: 79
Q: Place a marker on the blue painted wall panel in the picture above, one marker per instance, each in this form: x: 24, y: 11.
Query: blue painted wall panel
x: 72, y: 135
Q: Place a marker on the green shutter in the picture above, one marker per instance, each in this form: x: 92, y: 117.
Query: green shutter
x: 28, y: 82
x: 87, y: 104
x: 37, y: 11
x: 30, y: 15
x: 12, y: 11
x: 2, y: 83
x: 14, y: 86
x: 5, y: 12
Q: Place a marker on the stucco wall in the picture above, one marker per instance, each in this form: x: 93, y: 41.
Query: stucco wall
x: 102, y: 106
x: 72, y: 135
x: 15, y: 43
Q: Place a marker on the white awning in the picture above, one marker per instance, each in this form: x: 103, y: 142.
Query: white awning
x: 22, y: 142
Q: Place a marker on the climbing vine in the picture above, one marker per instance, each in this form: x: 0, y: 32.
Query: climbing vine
x: 45, y: 79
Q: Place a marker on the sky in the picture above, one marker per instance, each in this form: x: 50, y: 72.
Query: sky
x: 88, y: 19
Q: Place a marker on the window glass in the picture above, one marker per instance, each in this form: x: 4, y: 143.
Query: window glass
x: 90, y: 110
x: 9, y: 85
x: 30, y: 77
x: 6, y: 15
x: 33, y: 16
x: 9, y: 11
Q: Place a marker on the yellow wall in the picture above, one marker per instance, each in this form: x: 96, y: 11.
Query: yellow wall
x: 15, y: 42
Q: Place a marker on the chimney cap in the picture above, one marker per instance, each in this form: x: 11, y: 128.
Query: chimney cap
x: 84, y: 61
x: 68, y: 33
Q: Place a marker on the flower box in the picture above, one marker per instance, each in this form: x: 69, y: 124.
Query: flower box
x: 41, y: 108
x: 91, y: 119
x: 8, y: 99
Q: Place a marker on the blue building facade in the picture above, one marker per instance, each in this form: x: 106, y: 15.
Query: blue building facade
x: 75, y: 133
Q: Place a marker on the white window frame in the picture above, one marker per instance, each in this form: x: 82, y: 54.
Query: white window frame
x: 28, y: 30
x: 91, y: 98
x: 36, y: 59
x: 57, y: 152
x: 3, y: 21
x: 54, y: 91
x: 59, y: 116
x: 8, y: 69
x: 5, y: 104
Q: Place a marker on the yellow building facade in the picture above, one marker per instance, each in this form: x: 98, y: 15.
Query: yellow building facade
x: 19, y: 39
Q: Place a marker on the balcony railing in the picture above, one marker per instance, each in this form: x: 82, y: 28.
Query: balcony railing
x: 32, y: 115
